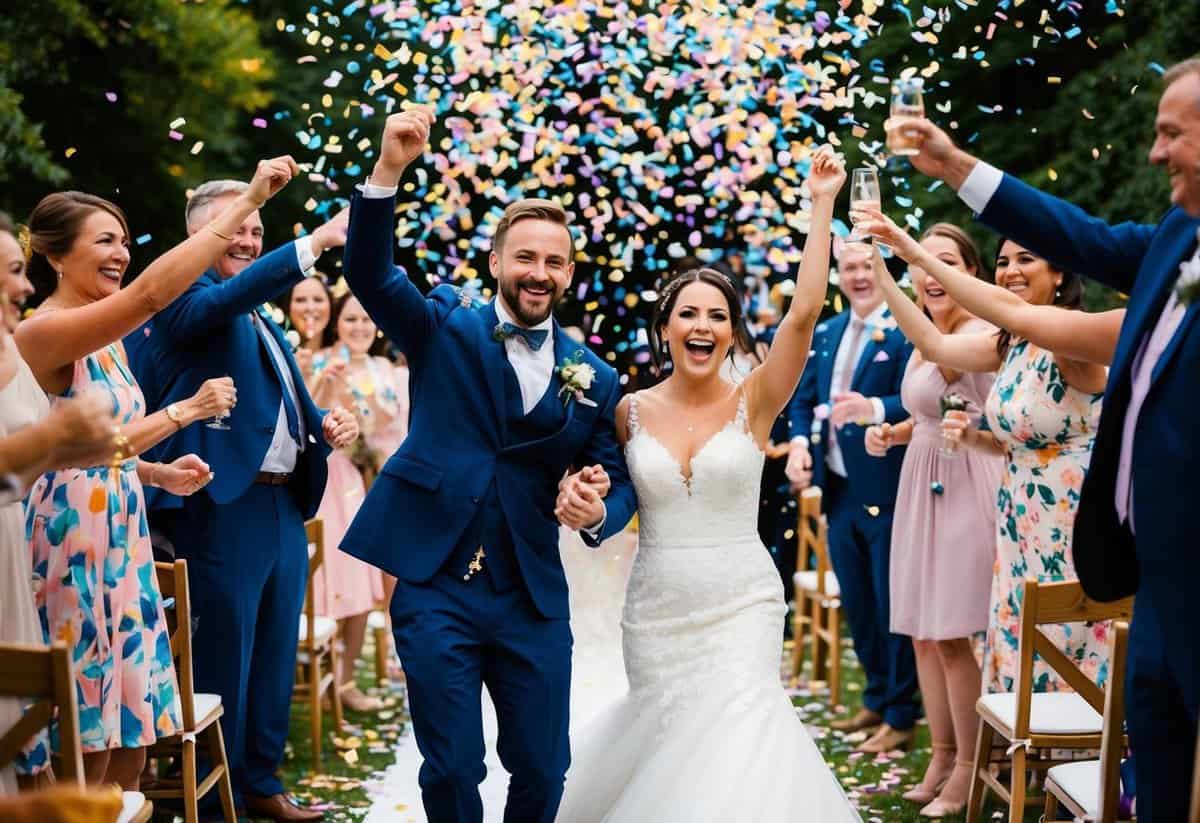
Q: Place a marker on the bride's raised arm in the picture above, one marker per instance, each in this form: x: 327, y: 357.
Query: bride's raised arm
x: 771, y: 385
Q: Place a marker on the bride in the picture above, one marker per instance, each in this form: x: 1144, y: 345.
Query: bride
x: 706, y: 732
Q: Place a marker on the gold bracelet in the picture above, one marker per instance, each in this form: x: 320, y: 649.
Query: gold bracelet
x: 227, y: 238
x: 120, y: 449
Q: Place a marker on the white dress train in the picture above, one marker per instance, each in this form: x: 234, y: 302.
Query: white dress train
x: 705, y: 732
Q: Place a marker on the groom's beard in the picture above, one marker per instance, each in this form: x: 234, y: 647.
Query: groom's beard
x: 511, y: 290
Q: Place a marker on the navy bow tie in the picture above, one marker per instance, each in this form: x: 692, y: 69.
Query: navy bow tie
x: 534, y: 338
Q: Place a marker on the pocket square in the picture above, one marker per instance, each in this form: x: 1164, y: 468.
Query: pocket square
x: 881, y: 357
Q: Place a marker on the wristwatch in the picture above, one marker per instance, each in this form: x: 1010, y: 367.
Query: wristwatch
x: 175, y: 414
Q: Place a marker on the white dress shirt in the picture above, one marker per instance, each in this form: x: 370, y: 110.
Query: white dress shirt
x: 847, y: 358
x: 284, y: 451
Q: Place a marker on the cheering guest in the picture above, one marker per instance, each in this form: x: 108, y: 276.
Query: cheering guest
x: 306, y: 306
x: 853, y: 380
x: 93, y: 577
x: 376, y: 391
x: 943, y: 540
x: 244, y: 539
x: 1042, y: 411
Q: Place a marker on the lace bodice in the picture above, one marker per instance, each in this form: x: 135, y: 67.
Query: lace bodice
x: 718, y: 503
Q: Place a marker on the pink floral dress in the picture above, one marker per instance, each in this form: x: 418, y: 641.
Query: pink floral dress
x: 94, y: 583
x: 1047, y: 429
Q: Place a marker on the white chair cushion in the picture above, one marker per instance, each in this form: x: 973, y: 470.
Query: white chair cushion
x: 376, y: 620
x: 131, y: 804
x: 323, y: 630
x: 204, y: 704
x: 1081, y: 782
x: 808, y: 582
x: 1049, y: 713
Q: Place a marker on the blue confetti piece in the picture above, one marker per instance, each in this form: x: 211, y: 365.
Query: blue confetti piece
x: 1157, y: 69
x: 143, y: 240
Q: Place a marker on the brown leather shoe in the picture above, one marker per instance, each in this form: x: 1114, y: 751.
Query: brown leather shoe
x: 887, y: 739
x: 864, y: 719
x: 279, y: 807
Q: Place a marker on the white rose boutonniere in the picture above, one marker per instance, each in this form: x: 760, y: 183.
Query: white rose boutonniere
x: 1187, y: 288
x: 577, y: 377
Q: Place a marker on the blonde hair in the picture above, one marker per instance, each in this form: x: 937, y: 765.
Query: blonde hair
x: 532, y: 208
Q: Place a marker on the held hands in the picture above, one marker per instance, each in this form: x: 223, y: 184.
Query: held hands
x: 270, y: 177
x: 851, y: 407
x: 879, y: 439
x: 580, y: 502
x: 799, y: 466
x: 827, y: 174
x: 183, y: 477
x: 957, y: 428
x: 405, y: 136
x: 214, y: 399
x: 340, y: 427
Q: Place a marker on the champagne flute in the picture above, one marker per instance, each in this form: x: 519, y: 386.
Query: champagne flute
x: 953, y: 401
x: 864, y: 193
x: 218, y: 422
x: 908, y: 102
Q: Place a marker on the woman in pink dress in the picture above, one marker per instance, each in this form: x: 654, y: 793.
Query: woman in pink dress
x: 350, y: 372
x: 93, y: 574
x: 943, y: 541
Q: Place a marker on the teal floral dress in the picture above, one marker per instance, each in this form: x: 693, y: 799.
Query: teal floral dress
x: 1047, y: 429
x: 94, y: 584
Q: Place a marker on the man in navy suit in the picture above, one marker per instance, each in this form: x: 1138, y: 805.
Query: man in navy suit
x: 463, y: 514
x: 1133, y: 531
x: 852, y: 381
x: 244, y: 537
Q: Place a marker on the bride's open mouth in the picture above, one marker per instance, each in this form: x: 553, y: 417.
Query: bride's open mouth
x: 700, y: 351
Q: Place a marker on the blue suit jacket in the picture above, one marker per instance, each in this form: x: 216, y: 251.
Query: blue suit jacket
x: 1142, y: 261
x: 207, y: 332
x: 429, y: 491
x: 871, y: 481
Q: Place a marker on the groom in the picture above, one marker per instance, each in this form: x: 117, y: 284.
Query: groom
x: 463, y: 514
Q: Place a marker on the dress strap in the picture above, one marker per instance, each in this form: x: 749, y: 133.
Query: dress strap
x: 740, y: 419
x: 632, y: 422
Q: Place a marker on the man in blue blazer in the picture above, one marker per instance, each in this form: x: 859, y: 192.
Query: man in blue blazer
x: 1133, y: 531
x: 243, y: 537
x: 852, y: 380
x: 504, y: 402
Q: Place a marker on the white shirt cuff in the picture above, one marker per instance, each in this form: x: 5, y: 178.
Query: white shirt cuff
x: 880, y: 414
x: 594, y: 531
x: 305, y: 256
x: 801, y: 439
x: 372, y: 192
x: 980, y: 185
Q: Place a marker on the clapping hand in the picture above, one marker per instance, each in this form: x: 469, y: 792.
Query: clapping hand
x: 580, y: 503
x: 878, y: 440
x: 340, y: 427
x: 185, y: 476
x: 405, y: 136
x: 270, y: 177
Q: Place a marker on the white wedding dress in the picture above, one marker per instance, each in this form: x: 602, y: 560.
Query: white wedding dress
x: 705, y: 732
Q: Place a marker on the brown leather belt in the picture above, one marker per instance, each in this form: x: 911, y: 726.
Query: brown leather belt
x: 273, y: 478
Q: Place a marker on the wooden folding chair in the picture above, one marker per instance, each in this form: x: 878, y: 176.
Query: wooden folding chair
x: 201, y: 712
x: 1091, y: 789
x: 318, y: 641
x: 1034, y: 725
x: 378, y: 624
x: 45, y: 675
x: 817, y: 617
x: 1194, y: 814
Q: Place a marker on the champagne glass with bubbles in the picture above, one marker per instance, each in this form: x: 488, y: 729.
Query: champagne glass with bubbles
x: 864, y: 193
x: 908, y: 102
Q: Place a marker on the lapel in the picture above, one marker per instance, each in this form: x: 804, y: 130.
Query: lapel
x: 1140, y: 319
x: 286, y: 349
x: 1188, y: 317
x: 837, y: 329
x: 493, y: 361
x: 870, y: 349
x: 564, y: 348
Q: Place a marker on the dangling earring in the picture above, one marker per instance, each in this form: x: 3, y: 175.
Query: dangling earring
x: 60, y: 275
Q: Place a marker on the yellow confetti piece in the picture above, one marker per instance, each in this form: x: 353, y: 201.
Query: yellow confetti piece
x: 70, y: 152
x: 1054, y: 81
x: 381, y: 52
x: 1053, y: 174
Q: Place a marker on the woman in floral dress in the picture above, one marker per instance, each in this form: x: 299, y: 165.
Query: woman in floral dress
x: 1042, y: 412
x: 93, y: 574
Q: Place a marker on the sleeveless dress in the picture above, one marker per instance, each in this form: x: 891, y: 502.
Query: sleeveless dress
x: 943, y: 544
x: 706, y: 732
x: 1047, y: 429
x: 22, y: 403
x: 94, y: 582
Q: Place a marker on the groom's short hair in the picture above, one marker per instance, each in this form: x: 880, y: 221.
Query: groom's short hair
x: 532, y: 208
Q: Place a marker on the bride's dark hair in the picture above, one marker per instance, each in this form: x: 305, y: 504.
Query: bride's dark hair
x: 670, y: 296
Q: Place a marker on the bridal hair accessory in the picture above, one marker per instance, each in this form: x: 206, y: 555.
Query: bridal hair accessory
x: 677, y: 282
x: 25, y: 241
x: 577, y: 378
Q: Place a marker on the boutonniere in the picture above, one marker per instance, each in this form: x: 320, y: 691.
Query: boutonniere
x: 269, y: 311
x: 1187, y: 288
x: 878, y: 335
x: 577, y: 377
